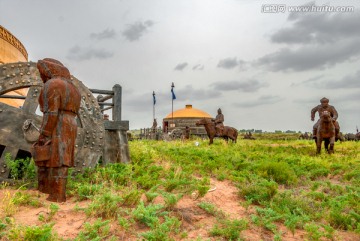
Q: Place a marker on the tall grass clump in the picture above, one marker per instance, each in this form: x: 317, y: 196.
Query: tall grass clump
x: 104, y: 205
x: 258, y: 190
x: 280, y: 172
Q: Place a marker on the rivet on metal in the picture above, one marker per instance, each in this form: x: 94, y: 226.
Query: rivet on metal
x: 23, y: 81
x: 8, y: 76
x: 11, y: 83
x: 34, y: 95
x: 28, y: 73
x: 16, y: 82
x: 89, y: 95
x: 13, y: 74
x: 20, y: 65
x: 12, y: 66
x: 36, y: 90
x: 83, y: 97
x: 76, y: 145
x: 29, y: 81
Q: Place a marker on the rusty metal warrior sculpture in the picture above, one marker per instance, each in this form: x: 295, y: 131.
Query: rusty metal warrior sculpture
x: 59, y: 101
x: 324, y: 106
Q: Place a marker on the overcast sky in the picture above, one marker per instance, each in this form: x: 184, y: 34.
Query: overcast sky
x: 264, y: 70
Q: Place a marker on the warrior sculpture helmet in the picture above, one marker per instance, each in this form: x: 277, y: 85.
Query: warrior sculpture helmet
x: 219, y: 111
x: 50, y: 68
x: 324, y: 100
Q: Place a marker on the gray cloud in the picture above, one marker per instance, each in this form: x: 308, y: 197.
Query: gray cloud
x: 142, y: 101
x: 316, y: 33
x: 228, y: 63
x: 181, y: 66
x: 310, y: 57
x: 318, y: 28
x: 354, y: 98
x: 250, y: 85
x: 262, y: 100
x: 106, y: 34
x: 135, y: 31
x: 347, y: 82
x: 309, y: 81
x: 80, y: 53
x: 198, y: 67
x: 189, y: 93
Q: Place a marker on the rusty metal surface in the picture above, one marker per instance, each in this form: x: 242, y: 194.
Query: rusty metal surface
x: 90, y: 141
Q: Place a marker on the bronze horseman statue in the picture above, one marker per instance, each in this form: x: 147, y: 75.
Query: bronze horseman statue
x: 59, y: 101
x: 324, y: 106
x: 219, y: 123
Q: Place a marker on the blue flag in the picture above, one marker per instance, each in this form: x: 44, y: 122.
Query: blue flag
x: 173, y: 94
x: 154, y: 99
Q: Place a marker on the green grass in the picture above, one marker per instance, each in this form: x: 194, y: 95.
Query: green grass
x: 278, y: 176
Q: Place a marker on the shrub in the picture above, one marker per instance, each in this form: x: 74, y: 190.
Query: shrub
x: 33, y: 233
x: 99, y: 230
x: 229, y: 229
x: 104, y: 205
x: 148, y: 215
x: 259, y: 191
x: 280, y: 172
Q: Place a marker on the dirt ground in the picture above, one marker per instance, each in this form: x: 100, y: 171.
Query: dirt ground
x: 195, y: 221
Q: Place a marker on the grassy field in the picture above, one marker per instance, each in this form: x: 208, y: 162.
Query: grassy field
x: 278, y: 179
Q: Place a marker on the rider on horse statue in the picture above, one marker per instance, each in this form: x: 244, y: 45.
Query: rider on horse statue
x: 219, y: 126
x: 324, y: 106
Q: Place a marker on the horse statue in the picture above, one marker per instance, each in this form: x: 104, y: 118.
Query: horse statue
x: 249, y: 136
x: 304, y: 136
x: 326, y: 133
x: 228, y: 132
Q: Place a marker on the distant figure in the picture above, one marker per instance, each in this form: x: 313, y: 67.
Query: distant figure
x: 187, y: 133
x: 219, y: 123
x: 106, y: 117
x: 154, y: 125
x: 324, y: 106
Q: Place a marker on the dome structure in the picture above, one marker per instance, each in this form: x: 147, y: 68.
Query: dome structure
x: 188, y: 112
x: 187, y: 116
x: 11, y: 51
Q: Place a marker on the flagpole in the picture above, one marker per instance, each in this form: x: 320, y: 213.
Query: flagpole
x: 172, y: 103
x: 153, y: 105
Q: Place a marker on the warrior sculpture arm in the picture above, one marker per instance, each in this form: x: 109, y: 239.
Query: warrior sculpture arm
x: 313, y: 111
x: 334, y: 113
x: 52, y: 101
